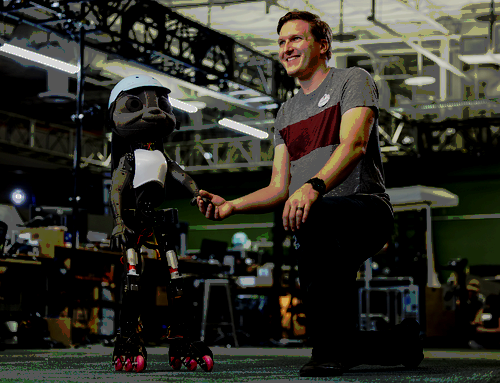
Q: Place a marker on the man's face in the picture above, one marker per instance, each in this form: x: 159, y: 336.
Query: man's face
x: 299, y: 53
x: 143, y: 114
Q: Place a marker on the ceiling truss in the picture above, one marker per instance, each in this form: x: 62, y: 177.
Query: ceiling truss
x: 151, y: 34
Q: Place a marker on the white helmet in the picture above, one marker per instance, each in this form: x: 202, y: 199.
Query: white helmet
x: 132, y: 82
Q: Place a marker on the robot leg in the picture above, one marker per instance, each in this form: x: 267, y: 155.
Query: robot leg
x: 182, y: 350
x: 129, y: 352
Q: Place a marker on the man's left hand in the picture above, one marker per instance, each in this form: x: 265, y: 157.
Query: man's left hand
x: 297, y: 207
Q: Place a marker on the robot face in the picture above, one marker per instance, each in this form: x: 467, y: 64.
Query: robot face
x: 143, y: 114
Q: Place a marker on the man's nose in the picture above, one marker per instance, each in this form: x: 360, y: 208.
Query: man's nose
x: 287, y: 48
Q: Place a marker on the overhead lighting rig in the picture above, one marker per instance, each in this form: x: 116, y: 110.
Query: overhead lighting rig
x: 489, y: 57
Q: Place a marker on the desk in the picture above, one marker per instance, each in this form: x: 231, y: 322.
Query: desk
x: 79, y: 290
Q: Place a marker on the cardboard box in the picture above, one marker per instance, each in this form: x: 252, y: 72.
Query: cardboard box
x: 440, y: 321
x: 47, y: 237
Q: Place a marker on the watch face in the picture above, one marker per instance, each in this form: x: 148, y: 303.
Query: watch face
x: 317, y: 185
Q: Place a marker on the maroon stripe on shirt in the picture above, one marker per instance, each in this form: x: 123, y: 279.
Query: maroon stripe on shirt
x: 318, y: 131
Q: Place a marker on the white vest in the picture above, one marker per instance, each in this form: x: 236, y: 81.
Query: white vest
x: 150, y: 166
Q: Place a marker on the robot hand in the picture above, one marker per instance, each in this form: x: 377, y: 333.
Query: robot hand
x: 119, y: 236
x: 206, y: 201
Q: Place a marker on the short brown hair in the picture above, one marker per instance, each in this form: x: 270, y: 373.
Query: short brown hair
x: 319, y: 29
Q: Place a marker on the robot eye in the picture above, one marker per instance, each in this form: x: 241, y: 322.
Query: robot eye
x: 133, y: 104
x: 164, y: 104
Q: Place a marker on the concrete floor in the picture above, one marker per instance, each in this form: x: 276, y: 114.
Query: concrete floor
x: 238, y: 365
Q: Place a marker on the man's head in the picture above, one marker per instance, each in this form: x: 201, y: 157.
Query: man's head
x: 139, y: 109
x: 304, y: 40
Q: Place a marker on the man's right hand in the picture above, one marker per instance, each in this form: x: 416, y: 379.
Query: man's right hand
x: 218, y: 210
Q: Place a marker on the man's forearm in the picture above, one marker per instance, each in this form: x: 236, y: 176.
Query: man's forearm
x: 260, y: 201
x: 342, y: 162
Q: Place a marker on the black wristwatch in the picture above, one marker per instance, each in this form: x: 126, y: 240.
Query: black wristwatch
x: 318, y: 185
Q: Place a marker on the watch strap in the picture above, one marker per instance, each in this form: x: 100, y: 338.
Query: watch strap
x: 318, y: 185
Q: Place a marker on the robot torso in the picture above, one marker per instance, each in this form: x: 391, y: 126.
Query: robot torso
x: 150, y: 166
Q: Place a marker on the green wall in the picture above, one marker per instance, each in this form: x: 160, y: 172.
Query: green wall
x: 459, y: 236
x: 191, y: 214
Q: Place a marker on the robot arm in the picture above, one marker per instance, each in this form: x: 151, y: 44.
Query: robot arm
x: 182, y: 177
x: 120, y: 179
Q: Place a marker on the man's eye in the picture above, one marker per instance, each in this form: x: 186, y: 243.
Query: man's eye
x: 133, y: 105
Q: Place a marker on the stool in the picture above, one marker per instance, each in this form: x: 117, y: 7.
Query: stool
x: 208, y: 284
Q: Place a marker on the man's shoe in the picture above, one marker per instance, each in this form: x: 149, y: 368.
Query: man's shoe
x: 321, y: 367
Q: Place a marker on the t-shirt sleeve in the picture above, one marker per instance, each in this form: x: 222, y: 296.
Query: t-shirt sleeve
x: 278, y: 125
x: 359, y: 89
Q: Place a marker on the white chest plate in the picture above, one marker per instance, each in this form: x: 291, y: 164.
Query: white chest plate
x: 150, y: 166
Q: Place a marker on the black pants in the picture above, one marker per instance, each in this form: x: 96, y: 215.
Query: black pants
x: 338, y: 236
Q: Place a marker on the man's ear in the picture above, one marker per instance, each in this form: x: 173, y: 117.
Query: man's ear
x: 324, y: 46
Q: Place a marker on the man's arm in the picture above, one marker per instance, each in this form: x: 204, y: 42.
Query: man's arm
x: 355, y: 129
x: 263, y: 200
x: 266, y: 199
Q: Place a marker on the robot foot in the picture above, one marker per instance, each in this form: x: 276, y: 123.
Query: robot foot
x: 129, y: 352
x: 190, y: 354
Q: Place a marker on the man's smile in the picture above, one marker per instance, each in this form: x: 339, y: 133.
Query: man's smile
x: 292, y: 58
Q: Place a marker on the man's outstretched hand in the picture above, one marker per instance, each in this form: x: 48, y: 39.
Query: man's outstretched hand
x: 218, y: 209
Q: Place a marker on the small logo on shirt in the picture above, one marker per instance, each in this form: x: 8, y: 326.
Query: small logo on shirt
x: 324, y: 100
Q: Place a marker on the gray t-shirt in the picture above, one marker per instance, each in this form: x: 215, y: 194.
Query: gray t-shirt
x: 309, y: 126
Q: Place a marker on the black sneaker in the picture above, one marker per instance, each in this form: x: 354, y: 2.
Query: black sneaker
x: 321, y: 367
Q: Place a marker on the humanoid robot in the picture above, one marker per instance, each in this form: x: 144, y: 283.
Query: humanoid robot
x: 140, y: 116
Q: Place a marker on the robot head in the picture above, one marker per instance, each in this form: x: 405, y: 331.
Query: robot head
x: 139, y: 109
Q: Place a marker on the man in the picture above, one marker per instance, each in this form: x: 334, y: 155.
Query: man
x: 327, y: 170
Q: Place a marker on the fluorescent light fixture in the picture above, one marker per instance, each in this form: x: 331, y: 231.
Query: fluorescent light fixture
x: 243, y: 128
x: 420, y: 80
x: 37, y: 57
x: 183, y: 105
x: 269, y: 106
x: 198, y: 104
x: 458, y: 104
x: 389, y: 149
x: 488, y: 58
x: 258, y: 99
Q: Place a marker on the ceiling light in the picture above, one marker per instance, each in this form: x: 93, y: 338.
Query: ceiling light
x: 258, y: 99
x: 487, y: 58
x: 269, y: 106
x: 18, y: 197
x: 198, y: 104
x: 420, y: 80
x: 183, y: 105
x: 243, y: 128
x: 42, y: 59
